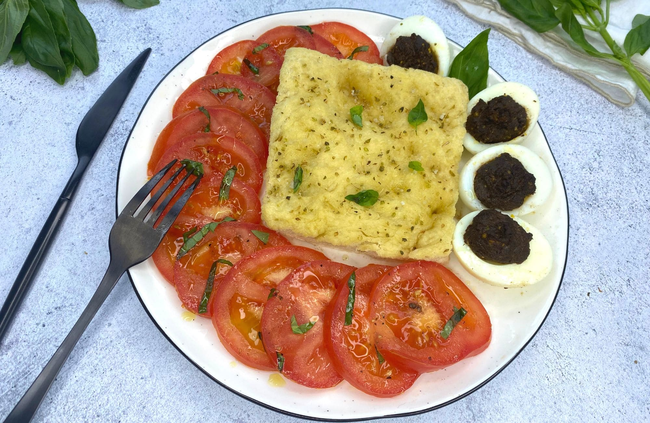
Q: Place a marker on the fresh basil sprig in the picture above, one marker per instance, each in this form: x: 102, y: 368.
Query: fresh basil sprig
x: 262, y: 236
x: 207, y: 114
x: 205, y: 299
x: 416, y: 166
x: 417, y: 116
x: 226, y: 183
x: 225, y: 90
x: 193, y: 167
x: 365, y: 198
x: 356, y: 115
x: 260, y: 48
x: 197, y: 236
x: 349, y: 306
x: 306, y: 28
x: 380, y: 357
x: 251, y: 66
x: 455, y: 318
x: 301, y: 329
x: 544, y: 15
x: 357, y: 50
x: 471, y: 65
x: 297, y: 178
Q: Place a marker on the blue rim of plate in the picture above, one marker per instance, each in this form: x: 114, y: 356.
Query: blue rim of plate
x: 319, y: 419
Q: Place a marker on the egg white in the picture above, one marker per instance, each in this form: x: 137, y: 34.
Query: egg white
x: 531, y: 161
x: 429, y: 31
x: 519, y: 93
x: 532, y: 270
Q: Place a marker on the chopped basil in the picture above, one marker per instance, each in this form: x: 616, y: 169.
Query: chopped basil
x: 297, y: 179
x: 349, y: 307
x: 193, y: 167
x: 195, y: 237
x: 225, y: 90
x: 280, y: 361
x: 203, y: 307
x: 379, y: 356
x: 252, y: 67
x: 417, y: 166
x: 224, y: 261
x: 262, y: 236
x: 226, y: 182
x: 302, y: 329
x: 357, y: 50
x: 365, y: 198
x: 260, y: 48
x: 417, y: 115
x: 207, y: 114
x: 189, y: 233
x: 452, y: 322
x: 355, y: 114
x: 272, y: 293
x: 306, y: 28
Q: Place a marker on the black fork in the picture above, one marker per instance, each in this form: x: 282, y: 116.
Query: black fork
x: 134, y: 237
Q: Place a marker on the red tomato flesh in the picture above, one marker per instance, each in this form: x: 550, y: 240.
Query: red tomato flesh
x: 305, y: 294
x: 282, y: 38
x: 325, y: 47
x: 352, y: 347
x: 346, y: 38
x: 229, y: 59
x: 409, y: 307
x: 264, y: 67
x: 239, y: 301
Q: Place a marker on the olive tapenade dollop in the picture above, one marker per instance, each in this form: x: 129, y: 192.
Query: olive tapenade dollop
x: 413, y: 52
x: 503, y: 183
x: 499, y: 120
x: 497, y: 238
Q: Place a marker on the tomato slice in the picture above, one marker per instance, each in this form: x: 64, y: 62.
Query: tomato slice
x: 352, y: 347
x: 282, y: 38
x: 223, y: 121
x: 325, y: 47
x: 304, y: 294
x: 229, y: 59
x: 217, y: 153
x: 410, y: 306
x: 264, y: 67
x: 230, y: 241
x: 252, y: 99
x: 242, y: 294
x: 346, y: 38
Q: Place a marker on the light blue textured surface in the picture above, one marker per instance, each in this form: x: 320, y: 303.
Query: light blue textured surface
x: 589, y: 362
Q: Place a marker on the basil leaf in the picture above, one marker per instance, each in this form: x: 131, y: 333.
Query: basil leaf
x: 57, y: 16
x: 537, y: 14
x: 301, y: 329
x: 297, y: 179
x: 203, y: 306
x: 260, y: 48
x: 17, y: 53
x: 306, y: 28
x: 417, y: 115
x: 638, y: 39
x: 251, y: 66
x: 417, y: 166
x: 188, y: 234
x: 193, y: 167
x: 262, y: 236
x: 452, y: 322
x: 12, y: 17
x: 272, y: 293
x: 140, y: 4
x: 198, y: 236
x: 224, y: 90
x: 280, y: 361
x: 226, y: 182
x: 226, y: 262
x: 379, y: 356
x: 357, y: 50
x: 39, y: 42
x: 572, y: 27
x: 355, y: 115
x: 471, y: 65
x: 84, y: 42
x: 349, y: 307
x: 365, y: 198
x: 207, y: 114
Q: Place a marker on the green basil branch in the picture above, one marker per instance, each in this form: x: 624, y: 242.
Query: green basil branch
x: 544, y: 15
x: 52, y: 35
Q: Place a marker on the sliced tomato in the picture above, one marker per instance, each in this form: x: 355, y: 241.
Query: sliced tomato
x: 252, y: 99
x: 263, y: 67
x: 229, y: 60
x: 411, y: 305
x: 305, y: 294
x: 242, y: 294
x: 346, y: 38
x: 218, y: 153
x: 282, y: 38
x: 325, y: 47
x: 352, y: 347
x: 230, y: 241
x: 223, y: 121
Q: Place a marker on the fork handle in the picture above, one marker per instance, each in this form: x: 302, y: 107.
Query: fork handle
x: 26, y: 408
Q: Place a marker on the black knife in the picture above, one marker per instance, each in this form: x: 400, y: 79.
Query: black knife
x: 91, y: 133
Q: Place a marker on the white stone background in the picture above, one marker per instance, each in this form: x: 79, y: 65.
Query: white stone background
x: 589, y: 361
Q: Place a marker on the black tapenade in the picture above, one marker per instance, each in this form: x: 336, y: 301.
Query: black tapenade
x: 497, y: 238
x: 413, y: 52
x: 503, y: 183
x: 499, y: 120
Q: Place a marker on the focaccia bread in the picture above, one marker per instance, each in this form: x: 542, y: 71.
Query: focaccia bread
x: 312, y: 128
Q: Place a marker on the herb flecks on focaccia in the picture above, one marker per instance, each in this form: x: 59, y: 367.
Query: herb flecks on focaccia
x: 312, y: 128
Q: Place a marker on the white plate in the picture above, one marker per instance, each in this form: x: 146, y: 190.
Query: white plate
x: 516, y: 314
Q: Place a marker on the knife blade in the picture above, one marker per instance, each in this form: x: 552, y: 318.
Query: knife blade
x: 90, y: 134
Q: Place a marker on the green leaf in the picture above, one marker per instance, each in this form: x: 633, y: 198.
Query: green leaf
x: 262, y: 236
x: 537, y: 14
x: 260, y: 48
x: 572, y: 27
x: 306, y: 28
x: 365, y: 198
x: 84, y: 42
x: 207, y: 114
x: 40, y: 44
x: 380, y: 357
x: 280, y: 361
x: 452, y: 322
x: 251, y: 66
x: 193, y: 167
x: 17, y: 53
x: 226, y: 182
x: 12, y: 17
x: 417, y: 115
x: 198, y: 236
x: 56, y: 12
x: 357, y: 50
x: 297, y: 179
x: 188, y: 234
x: 302, y: 329
x: 272, y: 293
x: 349, y: 307
x: 471, y: 65
x: 591, y: 3
x: 205, y: 299
x: 140, y: 4
x: 355, y: 115
x: 638, y: 39
x: 226, y: 262
x: 225, y: 90
x: 417, y: 166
